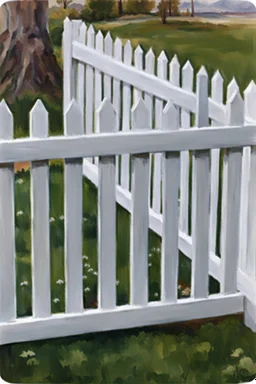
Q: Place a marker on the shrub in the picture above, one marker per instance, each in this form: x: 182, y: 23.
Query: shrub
x: 56, y: 36
x: 134, y: 7
x: 98, y: 10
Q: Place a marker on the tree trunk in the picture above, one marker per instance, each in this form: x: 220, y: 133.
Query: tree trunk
x: 27, y: 60
x: 170, y: 7
x: 192, y: 8
x: 120, y: 8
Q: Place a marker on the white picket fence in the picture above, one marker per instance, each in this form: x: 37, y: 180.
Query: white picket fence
x: 92, y: 146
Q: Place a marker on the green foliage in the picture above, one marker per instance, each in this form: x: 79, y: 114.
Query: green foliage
x: 202, y: 356
x: 134, y: 7
x: 98, y: 10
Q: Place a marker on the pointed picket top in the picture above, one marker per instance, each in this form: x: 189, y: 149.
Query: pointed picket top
x: 162, y: 57
x: 99, y: 41
x: 106, y: 117
x: 150, y: 61
x: 73, y: 119
x: 232, y: 88
x: 150, y: 54
x: 118, y: 48
x: 187, y: 76
x: 162, y: 65
x: 90, y: 36
x: 127, y: 51
x: 235, y: 109
x: 217, y: 78
x: 174, y: 68
x: 82, y: 33
x: 138, y: 50
x: 6, y: 121
x: 250, y: 102
x: 138, y: 57
x: 38, y: 120
x: 217, y: 87
x: 170, y: 117
x: 202, y: 72
x: 66, y: 21
x: 140, y: 116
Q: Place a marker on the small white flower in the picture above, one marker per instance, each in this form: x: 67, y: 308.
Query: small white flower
x: 150, y: 265
x: 52, y: 219
x: 90, y: 270
x: 19, y: 213
x: 186, y: 292
x: 150, y: 255
x: 153, y: 249
x: 56, y: 300
x: 59, y: 282
x: 87, y: 289
x: 62, y: 217
x: 117, y: 282
x: 95, y: 273
x: 86, y: 265
x: 85, y: 257
x: 19, y: 181
x: 27, y: 354
x: 158, y: 250
x: 23, y: 283
x: 84, y: 277
x: 156, y: 294
x: 179, y: 286
x: 85, y: 219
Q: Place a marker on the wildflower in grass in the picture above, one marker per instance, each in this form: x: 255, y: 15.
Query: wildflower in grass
x: 84, y: 277
x: 56, y: 300
x: 158, y: 250
x: 52, y: 219
x: 28, y: 353
x: 87, y: 289
x: 95, y: 273
x: 86, y: 265
x: 85, y: 257
x: 186, y: 291
x: 90, y: 270
x: 237, y: 352
x: 85, y: 219
x: 150, y: 264
x: 179, y: 286
x: 156, y: 294
x: 19, y: 181
x: 19, y: 213
x: 62, y: 217
x: 23, y: 283
x: 117, y: 282
x: 150, y: 255
x: 59, y: 282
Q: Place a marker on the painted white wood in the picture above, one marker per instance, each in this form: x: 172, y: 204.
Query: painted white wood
x: 106, y: 121
x: 148, y: 83
x: 127, y: 316
x: 139, y: 215
x: 40, y: 210
x: 200, y: 198
x: 108, y: 50
x: 138, y: 63
x: 7, y: 225
x: 99, y: 44
x: 217, y: 95
x: 67, y: 63
x: 30, y: 149
x: 148, y: 99
x: 174, y: 71
x: 231, y: 202
x: 80, y: 79
x: 118, y: 55
x: 170, y: 234
x: 248, y: 262
x: 76, y: 24
x: 162, y: 62
x: 73, y: 211
x: 89, y: 85
x: 125, y: 159
x: 187, y: 84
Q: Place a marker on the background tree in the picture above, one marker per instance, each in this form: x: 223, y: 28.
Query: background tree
x: 175, y: 7
x: 120, y: 8
x: 162, y: 8
x: 64, y: 3
x: 192, y: 8
x: 139, y: 6
x: 27, y: 60
x: 170, y: 7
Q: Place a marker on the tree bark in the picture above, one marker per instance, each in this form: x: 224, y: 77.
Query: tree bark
x: 27, y: 60
x: 170, y: 7
x: 120, y: 8
x: 192, y: 8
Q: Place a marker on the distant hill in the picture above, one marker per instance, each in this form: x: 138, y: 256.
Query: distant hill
x: 221, y: 6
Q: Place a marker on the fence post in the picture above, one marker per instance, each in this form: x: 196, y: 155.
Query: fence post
x: 231, y: 201
x: 139, y: 214
x: 106, y: 121
x: 170, y: 232
x: 40, y: 209
x: 73, y: 207
x: 201, y: 197
x: 7, y: 225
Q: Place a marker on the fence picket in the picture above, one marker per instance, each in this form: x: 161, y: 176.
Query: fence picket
x: 201, y: 197
x: 106, y: 121
x: 170, y: 231
x: 249, y: 264
x: 7, y: 225
x: 118, y: 54
x: 81, y: 72
x: 67, y: 63
x: 89, y: 86
x: 125, y: 159
x: 139, y: 214
x: 40, y: 209
x: 98, y: 81
x: 138, y: 63
x: 162, y: 73
x: 73, y: 208
x: 217, y: 95
x: 187, y: 84
x: 108, y: 50
x: 76, y: 24
x: 232, y: 201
